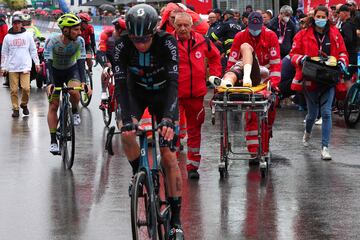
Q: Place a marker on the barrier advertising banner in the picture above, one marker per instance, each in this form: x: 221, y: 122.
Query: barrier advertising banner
x: 311, y: 4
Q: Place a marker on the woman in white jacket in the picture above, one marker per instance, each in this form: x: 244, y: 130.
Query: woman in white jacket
x: 17, y: 53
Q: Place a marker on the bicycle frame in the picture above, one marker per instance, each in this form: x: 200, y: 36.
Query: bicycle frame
x: 153, y: 174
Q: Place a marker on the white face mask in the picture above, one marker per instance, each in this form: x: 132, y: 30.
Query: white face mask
x: 286, y: 19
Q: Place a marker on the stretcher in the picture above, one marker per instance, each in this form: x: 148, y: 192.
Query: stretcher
x: 257, y: 99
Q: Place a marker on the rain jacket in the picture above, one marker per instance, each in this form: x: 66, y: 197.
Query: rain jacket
x: 267, y: 50
x: 199, y: 25
x: 192, y: 68
x: 305, y: 44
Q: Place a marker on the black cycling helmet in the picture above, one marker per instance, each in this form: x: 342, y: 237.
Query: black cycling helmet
x: 141, y: 20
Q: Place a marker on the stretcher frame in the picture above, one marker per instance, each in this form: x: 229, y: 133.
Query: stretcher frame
x: 249, y: 103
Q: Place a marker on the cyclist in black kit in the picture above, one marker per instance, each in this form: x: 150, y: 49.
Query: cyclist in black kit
x: 146, y: 75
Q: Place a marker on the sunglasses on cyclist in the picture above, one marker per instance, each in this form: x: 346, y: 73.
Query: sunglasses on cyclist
x: 142, y: 39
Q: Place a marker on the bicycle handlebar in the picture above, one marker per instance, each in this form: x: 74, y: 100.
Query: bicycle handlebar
x: 68, y: 88
x: 354, y: 65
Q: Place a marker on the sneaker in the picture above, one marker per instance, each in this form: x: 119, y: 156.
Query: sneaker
x: 77, y: 119
x: 54, y: 149
x: 6, y: 84
x: 325, y: 154
x: 193, y: 174
x: 25, y: 110
x: 15, y: 114
x: 104, y: 96
x: 176, y: 233
x: 318, y: 122
x: 247, y: 83
x: 306, y: 139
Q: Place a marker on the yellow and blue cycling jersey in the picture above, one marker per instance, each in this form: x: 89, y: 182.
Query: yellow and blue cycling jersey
x: 64, y: 56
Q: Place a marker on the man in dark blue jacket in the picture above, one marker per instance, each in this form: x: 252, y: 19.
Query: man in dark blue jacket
x: 284, y: 29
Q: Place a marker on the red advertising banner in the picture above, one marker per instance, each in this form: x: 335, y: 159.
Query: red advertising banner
x: 311, y: 4
x: 201, y: 6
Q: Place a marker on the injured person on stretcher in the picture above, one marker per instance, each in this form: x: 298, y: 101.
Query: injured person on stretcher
x: 246, y: 72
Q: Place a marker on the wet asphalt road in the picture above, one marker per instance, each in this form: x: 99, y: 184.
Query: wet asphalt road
x: 302, y: 198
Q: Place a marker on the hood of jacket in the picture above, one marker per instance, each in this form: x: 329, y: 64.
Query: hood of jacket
x: 11, y: 31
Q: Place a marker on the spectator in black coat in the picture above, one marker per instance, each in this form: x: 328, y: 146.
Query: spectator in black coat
x: 348, y: 31
x: 284, y: 29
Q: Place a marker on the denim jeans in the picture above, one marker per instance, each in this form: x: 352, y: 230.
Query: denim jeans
x: 314, y: 102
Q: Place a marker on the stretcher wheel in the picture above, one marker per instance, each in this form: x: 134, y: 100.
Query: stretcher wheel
x: 264, y: 169
x: 223, y: 170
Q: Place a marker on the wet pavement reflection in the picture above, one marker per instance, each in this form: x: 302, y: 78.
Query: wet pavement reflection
x: 303, y: 197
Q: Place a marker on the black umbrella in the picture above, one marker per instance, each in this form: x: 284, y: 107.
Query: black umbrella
x: 107, y: 7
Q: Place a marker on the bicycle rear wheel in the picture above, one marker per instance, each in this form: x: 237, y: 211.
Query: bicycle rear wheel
x: 143, y: 218
x: 352, y: 106
x: 68, y: 138
x: 84, y: 98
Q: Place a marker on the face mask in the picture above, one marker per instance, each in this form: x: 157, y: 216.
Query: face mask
x: 255, y: 33
x: 320, y: 22
x: 286, y: 19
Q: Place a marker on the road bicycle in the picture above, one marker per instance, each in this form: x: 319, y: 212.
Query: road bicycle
x: 150, y: 212
x: 109, y: 105
x: 65, y: 131
x: 352, y: 103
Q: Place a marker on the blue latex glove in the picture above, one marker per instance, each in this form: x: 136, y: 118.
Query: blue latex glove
x: 343, y: 67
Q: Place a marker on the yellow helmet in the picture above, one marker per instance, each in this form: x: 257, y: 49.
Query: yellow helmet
x: 68, y: 20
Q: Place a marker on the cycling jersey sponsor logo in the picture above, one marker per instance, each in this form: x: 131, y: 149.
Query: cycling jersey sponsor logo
x: 118, y: 49
x: 172, y: 49
x: 140, y: 12
x: 198, y: 54
x: 234, y: 54
x: 117, y: 69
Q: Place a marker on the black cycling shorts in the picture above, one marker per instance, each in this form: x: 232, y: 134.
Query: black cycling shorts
x: 88, y: 49
x: 155, y: 100
x: 255, y: 75
x: 65, y: 76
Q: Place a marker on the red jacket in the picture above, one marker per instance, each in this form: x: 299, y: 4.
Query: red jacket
x: 104, y: 36
x: 86, y: 34
x: 192, y: 67
x: 305, y: 43
x: 3, y: 32
x: 267, y: 50
x: 199, y: 25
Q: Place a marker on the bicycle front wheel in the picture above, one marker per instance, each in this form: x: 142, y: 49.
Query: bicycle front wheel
x: 68, y: 139
x: 143, y: 219
x: 352, y: 106
x: 163, y: 206
x: 84, y: 98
